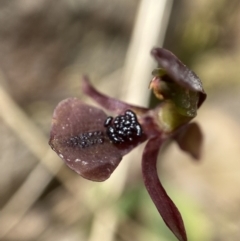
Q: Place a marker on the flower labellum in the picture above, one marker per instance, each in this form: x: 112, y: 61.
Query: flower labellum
x: 92, y: 144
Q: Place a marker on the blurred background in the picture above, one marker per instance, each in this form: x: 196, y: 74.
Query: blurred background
x: 45, y: 48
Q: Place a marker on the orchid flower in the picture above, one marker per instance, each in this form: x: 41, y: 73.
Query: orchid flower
x: 92, y: 143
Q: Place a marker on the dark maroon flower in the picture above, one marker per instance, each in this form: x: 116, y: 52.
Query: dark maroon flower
x: 93, y: 144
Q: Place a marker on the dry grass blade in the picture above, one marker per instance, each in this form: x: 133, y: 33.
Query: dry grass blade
x: 149, y: 31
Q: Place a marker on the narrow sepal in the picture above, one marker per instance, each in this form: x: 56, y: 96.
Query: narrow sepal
x: 162, y: 201
x: 109, y: 103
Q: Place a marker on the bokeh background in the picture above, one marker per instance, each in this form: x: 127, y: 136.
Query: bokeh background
x: 45, y: 48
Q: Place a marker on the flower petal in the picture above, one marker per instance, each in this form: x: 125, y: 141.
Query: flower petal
x: 109, y: 103
x: 190, y: 139
x: 179, y: 72
x: 79, y: 137
x: 162, y: 201
x: 72, y: 120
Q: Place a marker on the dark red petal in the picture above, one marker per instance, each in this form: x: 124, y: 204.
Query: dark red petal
x: 179, y: 72
x: 162, y: 201
x: 96, y: 157
x: 190, y: 139
x: 73, y: 118
x: 109, y: 103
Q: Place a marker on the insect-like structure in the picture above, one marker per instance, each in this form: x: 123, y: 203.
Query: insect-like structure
x: 123, y: 128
